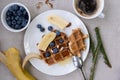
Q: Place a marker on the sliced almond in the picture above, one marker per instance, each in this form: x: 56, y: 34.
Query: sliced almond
x: 58, y: 21
x: 44, y: 43
x: 70, y: 47
x: 39, y: 5
x: 50, y: 5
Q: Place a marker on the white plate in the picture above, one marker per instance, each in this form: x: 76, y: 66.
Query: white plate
x: 33, y: 36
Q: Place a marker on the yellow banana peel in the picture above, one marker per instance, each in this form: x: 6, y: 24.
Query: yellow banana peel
x: 11, y: 59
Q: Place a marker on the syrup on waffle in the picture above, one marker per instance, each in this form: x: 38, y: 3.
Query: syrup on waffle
x: 57, y: 50
x: 77, y: 44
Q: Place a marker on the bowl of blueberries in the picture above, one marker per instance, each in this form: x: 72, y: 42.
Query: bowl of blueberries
x: 15, y: 17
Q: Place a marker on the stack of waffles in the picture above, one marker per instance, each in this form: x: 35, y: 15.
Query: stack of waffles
x: 63, y: 47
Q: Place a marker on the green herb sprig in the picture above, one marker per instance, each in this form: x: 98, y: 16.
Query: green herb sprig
x: 95, y: 52
x: 102, y: 49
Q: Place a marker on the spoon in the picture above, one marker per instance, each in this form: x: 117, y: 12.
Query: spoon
x: 78, y: 62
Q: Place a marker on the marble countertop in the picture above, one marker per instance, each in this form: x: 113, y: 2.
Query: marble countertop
x: 110, y: 30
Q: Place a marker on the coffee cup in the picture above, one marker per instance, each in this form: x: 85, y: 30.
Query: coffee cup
x: 96, y: 13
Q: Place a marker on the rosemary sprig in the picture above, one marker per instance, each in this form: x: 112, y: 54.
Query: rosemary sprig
x: 94, y: 62
x: 92, y: 45
x: 96, y: 52
x: 106, y: 60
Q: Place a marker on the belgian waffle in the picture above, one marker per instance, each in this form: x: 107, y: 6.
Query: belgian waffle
x: 77, y: 44
x: 60, y: 55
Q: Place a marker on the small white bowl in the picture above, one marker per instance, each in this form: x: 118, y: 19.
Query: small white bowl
x: 98, y: 13
x: 3, y: 17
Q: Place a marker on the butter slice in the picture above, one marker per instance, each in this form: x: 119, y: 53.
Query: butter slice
x: 44, y: 43
x: 58, y: 21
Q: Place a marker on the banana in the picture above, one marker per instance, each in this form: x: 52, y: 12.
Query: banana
x: 11, y: 58
x: 46, y: 41
x: 30, y: 56
x: 58, y: 21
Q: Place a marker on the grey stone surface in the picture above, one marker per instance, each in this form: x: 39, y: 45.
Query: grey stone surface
x: 110, y: 31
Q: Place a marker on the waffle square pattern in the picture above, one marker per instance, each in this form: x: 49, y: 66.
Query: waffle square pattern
x: 57, y: 50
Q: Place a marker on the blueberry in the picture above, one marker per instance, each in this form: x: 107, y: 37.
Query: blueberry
x: 39, y: 26
x: 14, y: 7
x: 17, y: 27
x: 55, y: 50
x: 8, y: 13
x: 18, y: 22
x: 9, y: 23
x: 26, y: 21
x: 52, y: 44
x: 22, y: 8
x: 42, y: 29
x: 61, y: 40
x: 26, y: 16
x: 58, y: 33
x: 14, y: 13
x: 12, y: 26
x: 10, y: 9
x: 23, y: 19
x: 12, y: 17
x: 47, y: 54
x: 23, y: 23
x: 24, y: 12
x: 7, y: 18
x: 19, y: 13
x: 50, y: 28
x: 13, y: 22
x: 20, y: 19
x: 17, y: 18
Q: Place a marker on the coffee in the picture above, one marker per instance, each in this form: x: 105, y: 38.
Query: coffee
x: 87, y: 7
